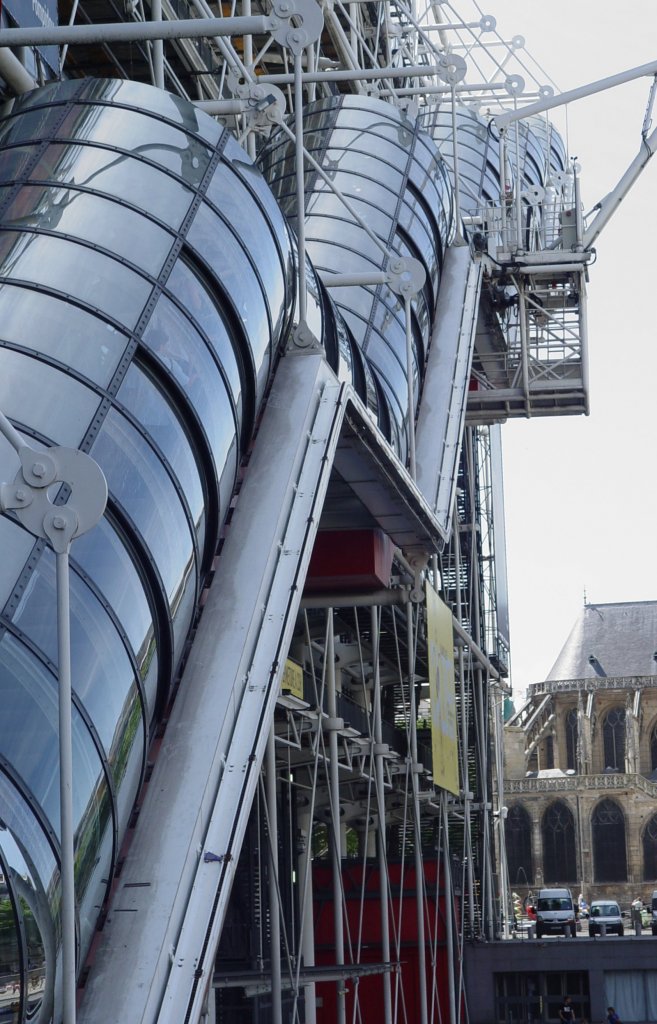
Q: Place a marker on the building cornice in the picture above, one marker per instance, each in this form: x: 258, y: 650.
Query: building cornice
x: 571, y: 783
x: 592, y: 685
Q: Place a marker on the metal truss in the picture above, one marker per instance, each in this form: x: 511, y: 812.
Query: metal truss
x: 333, y: 808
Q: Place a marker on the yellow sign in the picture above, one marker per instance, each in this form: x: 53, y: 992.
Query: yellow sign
x: 442, y: 690
x: 292, y: 681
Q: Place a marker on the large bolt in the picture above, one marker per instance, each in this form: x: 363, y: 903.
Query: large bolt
x: 59, y: 522
x: 20, y: 494
x: 38, y: 469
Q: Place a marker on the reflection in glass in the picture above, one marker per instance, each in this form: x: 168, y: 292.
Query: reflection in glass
x: 108, y: 171
x: 55, y: 262
x: 28, y: 739
x: 141, y: 397
x: 138, y: 481
x: 65, y: 407
x: 62, y: 331
x: 93, y: 218
x: 102, y: 676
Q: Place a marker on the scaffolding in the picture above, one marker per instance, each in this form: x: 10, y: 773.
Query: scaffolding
x: 298, y: 853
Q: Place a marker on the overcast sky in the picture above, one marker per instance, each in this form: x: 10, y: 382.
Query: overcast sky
x: 581, y: 492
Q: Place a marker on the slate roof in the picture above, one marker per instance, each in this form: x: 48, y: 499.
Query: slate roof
x: 610, y: 640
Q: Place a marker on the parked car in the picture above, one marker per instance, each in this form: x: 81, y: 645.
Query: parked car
x: 607, y: 913
x: 555, y: 913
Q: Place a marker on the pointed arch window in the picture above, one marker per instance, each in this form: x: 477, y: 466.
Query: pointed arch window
x: 558, y: 833
x: 518, y: 834
x: 653, y: 748
x: 609, y: 852
x: 572, y: 734
x: 650, y: 849
x: 613, y: 733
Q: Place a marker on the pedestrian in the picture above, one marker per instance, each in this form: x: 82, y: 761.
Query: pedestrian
x: 612, y: 1016
x: 567, y: 1011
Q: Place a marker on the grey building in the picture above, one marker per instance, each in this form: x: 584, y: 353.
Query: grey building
x: 581, y: 762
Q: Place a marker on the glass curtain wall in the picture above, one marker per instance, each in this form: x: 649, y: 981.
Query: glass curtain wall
x: 400, y: 204
x: 145, y: 289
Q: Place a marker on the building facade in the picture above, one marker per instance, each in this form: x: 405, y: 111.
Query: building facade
x: 581, y: 762
x: 282, y: 279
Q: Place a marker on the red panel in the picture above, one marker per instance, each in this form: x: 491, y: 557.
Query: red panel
x: 349, y: 560
x: 365, y: 928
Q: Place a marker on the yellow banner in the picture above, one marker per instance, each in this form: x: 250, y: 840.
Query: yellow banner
x: 442, y: 691
x: 292, y: 681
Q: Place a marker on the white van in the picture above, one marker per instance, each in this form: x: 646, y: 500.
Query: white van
x: 555, y: 913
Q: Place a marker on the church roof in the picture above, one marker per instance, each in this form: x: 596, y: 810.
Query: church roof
x: 610, y: 640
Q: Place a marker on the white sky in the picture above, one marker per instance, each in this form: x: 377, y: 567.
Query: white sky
x: 581, y: 492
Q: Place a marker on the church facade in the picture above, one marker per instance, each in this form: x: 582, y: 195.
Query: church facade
x: 581, y: 763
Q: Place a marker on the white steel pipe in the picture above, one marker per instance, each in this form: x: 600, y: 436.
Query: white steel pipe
x: 336, y: 844
x: 381, y: 814
x: 417, y: 838
x: 612, y: 201
x: 307, y: 930
x: 584, y: 340
x: 14, y: 74
x: 67, y: 836
x: 412, y: 468
x: 134, y: 31
x: 158, y: 47
x: 449, y: 908
x: 367, y: 74
x: 354, y: 280
x: 301, y: 191
x: 274, y: 901
x: 644, y: 70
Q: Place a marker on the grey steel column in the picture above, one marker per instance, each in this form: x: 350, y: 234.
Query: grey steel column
x: 307, y: 944
x: 66, y: 785
x: 419, y: 873
x: 449, y: 904
x: 334, y: 785
x: 274, y: 900
x: 381, y: 814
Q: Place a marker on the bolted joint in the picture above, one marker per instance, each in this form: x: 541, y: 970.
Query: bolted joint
x: 405, y: 275
x: 303, y: 340
x: 39, y: 468
x: 304, y: 30
x: 60, y: 525
x: 14, y: 496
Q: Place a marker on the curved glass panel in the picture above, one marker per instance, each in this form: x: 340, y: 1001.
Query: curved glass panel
x: 102, y: 555
x: 160, y: 103
x: 22, y: 950
x: 102, y: 675
x: 29, y: 860
x: 251, y: 175
x: 114, y: 174
x: 171, y: 336
x: 200, y: 305
x: 141, y: 397
x: 65, y: 332
x: 94, y: 219
x: 231, y: 197
x: 56, y: 262
x: 220, y: 249
x: 140, y: 134
x: 65, y: 408
x: 16, y: 545
x: 28, y: 739
x: 138, y: 481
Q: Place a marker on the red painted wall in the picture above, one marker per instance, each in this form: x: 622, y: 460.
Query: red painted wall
x: 405, y: 984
